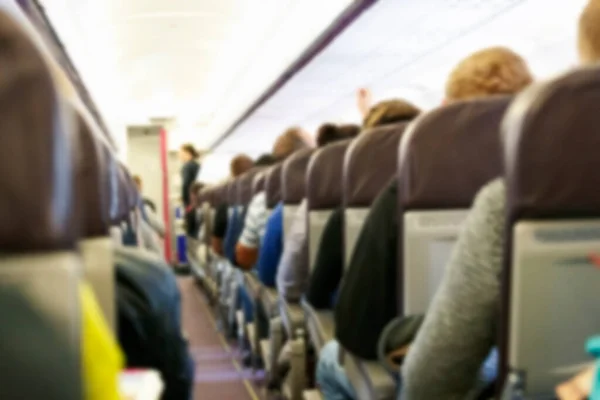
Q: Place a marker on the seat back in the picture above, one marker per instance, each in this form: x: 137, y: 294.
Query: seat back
x: 369, y: 164
x: 246, y: 186
x: 258, y: 185
x: 273, y: 186
x: 39, y: 227
x: 96, y: 164
x: 551, y: 277
x: 446, y: 156
x: 324, y: 191
x: 293, y: 184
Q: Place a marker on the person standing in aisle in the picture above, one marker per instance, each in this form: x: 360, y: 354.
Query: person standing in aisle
x: 191, y: 167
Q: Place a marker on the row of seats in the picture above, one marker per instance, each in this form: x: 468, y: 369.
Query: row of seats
x: 68, y: 206
x: 543, y: 143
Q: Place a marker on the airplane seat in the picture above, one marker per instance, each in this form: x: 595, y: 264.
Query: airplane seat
x: 324, y: 195
x: 551, y: 278
x: 273, y: 189
x: 251, y: 281
x: 268, y: 297
x: 39, y: 229
x: 293, y: 184
x: 117, y: 208
x: 445, y: 158
x: 96, y: 166
x: 369, y: 165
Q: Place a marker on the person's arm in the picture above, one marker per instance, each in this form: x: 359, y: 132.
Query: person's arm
x: 329, y: 263
x: 270, y: 251
x: 292, y: 274
x: 459, y: 328
x: 369, y: 291
x: 577, y: 388
x: 246, y: 251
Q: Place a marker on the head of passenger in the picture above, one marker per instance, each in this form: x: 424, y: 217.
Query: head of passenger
x: 330, y: 133
x: 589, y: 33
x: 265, y: 160
x: 488, y: 72
x: 137, y: 180
x: 389, y: 112
x: 240, y: 164
x: 188, y: 152
x: 292, y: 140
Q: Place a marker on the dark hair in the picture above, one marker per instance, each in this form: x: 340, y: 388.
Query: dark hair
x: 190, y: 149
x: 265, y: 160
x: 329, y: 133
x: 390, y: 111
x: 240, y: 164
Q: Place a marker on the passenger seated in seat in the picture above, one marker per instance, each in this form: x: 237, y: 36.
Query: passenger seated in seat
x: 488, y: 72
x: 272, y: 248
x: 292, y: 140
x: 466, y: 304
x: 292, y: 274
x: 240, y: 164
x: 329, y: 262
x: 441, y: 364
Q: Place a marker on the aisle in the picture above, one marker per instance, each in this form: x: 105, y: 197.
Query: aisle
x: 218, y: 373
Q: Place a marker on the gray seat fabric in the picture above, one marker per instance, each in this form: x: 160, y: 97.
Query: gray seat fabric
x: 363, y: 180
x: 550, y: 279
x: 40, y: 223
x: 273, y: 186
x: 446, y: 156
x: 293, y: 183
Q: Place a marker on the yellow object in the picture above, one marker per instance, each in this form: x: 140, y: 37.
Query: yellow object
x: 102, y: 357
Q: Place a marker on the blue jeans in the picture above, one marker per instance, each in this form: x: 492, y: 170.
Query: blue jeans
x: 331, y: 377
x: 246, y: 303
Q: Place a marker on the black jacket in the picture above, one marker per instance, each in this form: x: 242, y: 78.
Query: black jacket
x: 189, y: 172
x: 368, y: 299
x: 149, y: 323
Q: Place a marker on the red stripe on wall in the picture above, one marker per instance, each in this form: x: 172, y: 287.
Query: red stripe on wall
x: 165, y: 193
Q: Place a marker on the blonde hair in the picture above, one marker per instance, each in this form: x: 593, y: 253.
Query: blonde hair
x: 390, y: 111
x: 290, y: 141
x: 492, y: 71
x: 588, y: 37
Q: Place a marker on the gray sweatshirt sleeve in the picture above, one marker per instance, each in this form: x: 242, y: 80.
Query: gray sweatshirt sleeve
x: 292, y: 273
x: 460, y: 325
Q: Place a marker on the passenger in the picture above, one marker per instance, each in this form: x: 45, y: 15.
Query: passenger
x: 292, y: 140
x: 329, y: 262
x: 240, y: 164
x: 441, y: 363
x: 296, y: 257
x: 292, y: 275
x: 488, y: 72
x: 189, y: 156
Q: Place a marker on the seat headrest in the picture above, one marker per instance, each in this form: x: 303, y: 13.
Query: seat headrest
x: 293, y: 176
x: 132, y: 193
x: 370, y: 163
x: 93, y: 182
x: 551, y: 144
x: 245, y: 186
x: 448, y: 154
x: 324, y: 176
x: 232, y: 192
x: 258, y: 185
x: 273, y: 185
x: 38, y: 147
